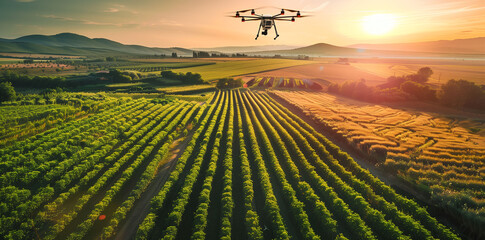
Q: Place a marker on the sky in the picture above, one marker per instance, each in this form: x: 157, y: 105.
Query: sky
x: 204, y: 23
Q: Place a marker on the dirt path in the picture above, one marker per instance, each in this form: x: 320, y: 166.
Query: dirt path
x: 141, y: 209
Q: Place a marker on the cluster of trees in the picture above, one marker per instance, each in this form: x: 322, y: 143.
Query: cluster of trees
x: 189, y: 78
x: 118, y: 76
x: 7, y: 92
x: 459, y: 94
x: 229, y: 83
x: 26, y: 81
x: 208, y: 55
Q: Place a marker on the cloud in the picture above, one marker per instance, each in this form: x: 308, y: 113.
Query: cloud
x: 24, y: 1
x: 112, y: 10
x: 118, y: 8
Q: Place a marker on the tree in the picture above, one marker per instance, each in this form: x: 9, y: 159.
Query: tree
x: 462, y: 93
x: 174, y: 55
x: 420, y: 91
x: 194, y: 54
x: 425, y: 72
x: 110, y: 59
x: 7, y: 92
x: 227, y: 83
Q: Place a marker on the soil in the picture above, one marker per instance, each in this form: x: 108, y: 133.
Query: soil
x: 129, y: 226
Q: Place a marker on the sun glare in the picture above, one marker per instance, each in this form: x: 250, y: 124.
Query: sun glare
x: 378, y: 24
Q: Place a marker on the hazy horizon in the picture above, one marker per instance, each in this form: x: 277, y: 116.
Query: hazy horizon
x: 195, y: 24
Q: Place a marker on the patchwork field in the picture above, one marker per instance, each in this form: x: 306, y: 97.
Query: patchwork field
x: 442, y: 153
x: 163, y: 66
x: 237, y: 166
x: 36, y: 65
x: 238, y: 68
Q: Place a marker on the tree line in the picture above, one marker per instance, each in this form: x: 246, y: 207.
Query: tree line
x: 455, y: 93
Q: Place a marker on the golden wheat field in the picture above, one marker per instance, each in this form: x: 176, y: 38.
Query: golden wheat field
x: 443, y: 153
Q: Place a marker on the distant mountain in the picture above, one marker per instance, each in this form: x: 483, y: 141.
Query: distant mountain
x: 74, y: 44
x: 463, y: 46
x: 242, y: 49
x: 324, y: 49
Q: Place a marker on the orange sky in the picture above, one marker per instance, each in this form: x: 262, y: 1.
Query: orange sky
x: 196, y: 23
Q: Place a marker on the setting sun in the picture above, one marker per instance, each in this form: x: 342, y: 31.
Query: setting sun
x: 378, y: 24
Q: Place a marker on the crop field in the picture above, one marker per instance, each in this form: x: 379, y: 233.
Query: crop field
x: 324, y: 72
x: 280, y: 82
x: 237, y: 166
x: 442, y: 154
x: 165, y: 66
x: 35, y: 65
x: 242, y: 67
x: 9, y: 60
x: 187, y: 89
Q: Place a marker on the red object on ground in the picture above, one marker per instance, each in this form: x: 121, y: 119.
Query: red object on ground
x: 102, y: 217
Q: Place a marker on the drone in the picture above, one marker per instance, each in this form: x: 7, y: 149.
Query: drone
x: 267, y: 21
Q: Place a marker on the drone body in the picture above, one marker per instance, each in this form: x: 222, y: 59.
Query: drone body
x: 267, y: 21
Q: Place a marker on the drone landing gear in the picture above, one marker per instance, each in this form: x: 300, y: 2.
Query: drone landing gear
x: 276, y: 31
x: 257, y: 35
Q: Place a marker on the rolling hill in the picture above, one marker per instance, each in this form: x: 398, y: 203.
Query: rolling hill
x: 74, y: 44
x: 242, y: 49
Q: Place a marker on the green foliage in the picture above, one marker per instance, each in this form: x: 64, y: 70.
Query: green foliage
x: 229, y: 83
x: 420, y: 91
x: 63, y: 179
x: 18, y: 80
x: 193, y: 78
x: 461, y: 94
x: 7, y: 92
